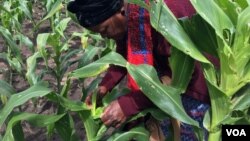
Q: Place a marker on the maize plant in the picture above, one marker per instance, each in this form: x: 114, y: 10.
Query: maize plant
x: 220, y: 28
x: 54, y: 46
x: 224, y: 25
x: 13, y: 13
x: 58, y: 44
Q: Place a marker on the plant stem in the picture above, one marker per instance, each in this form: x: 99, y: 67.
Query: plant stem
x: 91, y: 127
x: 215, y: 136
x: 58, y: 71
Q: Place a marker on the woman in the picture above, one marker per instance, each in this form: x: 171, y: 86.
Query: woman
x: 139, y: 43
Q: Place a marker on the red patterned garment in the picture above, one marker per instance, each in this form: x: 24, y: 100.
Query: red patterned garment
x: 139, y: 42
x: 144, y: 45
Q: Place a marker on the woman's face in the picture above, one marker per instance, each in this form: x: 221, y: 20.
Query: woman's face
x: 114, y: 27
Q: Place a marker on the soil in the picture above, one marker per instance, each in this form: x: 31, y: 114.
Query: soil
x: 41, y: 105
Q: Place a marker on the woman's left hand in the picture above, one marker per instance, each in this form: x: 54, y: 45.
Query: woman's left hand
x: 113, y: 115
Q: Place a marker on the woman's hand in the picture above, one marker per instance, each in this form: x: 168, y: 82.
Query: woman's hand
x: 101, y: 92
x: 113, y: 115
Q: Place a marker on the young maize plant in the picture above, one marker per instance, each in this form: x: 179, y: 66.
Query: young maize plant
x: 55, y: 46
x: 220, y: 28
x: 58, y: 44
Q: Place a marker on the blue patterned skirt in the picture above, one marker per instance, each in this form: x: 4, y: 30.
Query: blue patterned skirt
x: 196, y: 110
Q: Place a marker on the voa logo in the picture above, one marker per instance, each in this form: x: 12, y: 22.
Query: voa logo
x: 236, y: 132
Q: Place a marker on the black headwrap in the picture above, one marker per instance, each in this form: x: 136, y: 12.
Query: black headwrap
x: 93, y: 12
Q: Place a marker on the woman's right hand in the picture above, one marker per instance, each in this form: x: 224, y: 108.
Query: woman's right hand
x: 101, y: 92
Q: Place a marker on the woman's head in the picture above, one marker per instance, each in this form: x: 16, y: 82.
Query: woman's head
x: 106, y: 17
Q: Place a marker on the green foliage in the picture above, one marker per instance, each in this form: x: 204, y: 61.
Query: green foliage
x: 6, y: 90
x: 138, y: 133
x: 165, y: 22
x: 220, y: 28
x: 34, y: 119
x: 20, y: 98
x: 167, y: 98
x: 13, y: 13
x: 54, y: 46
